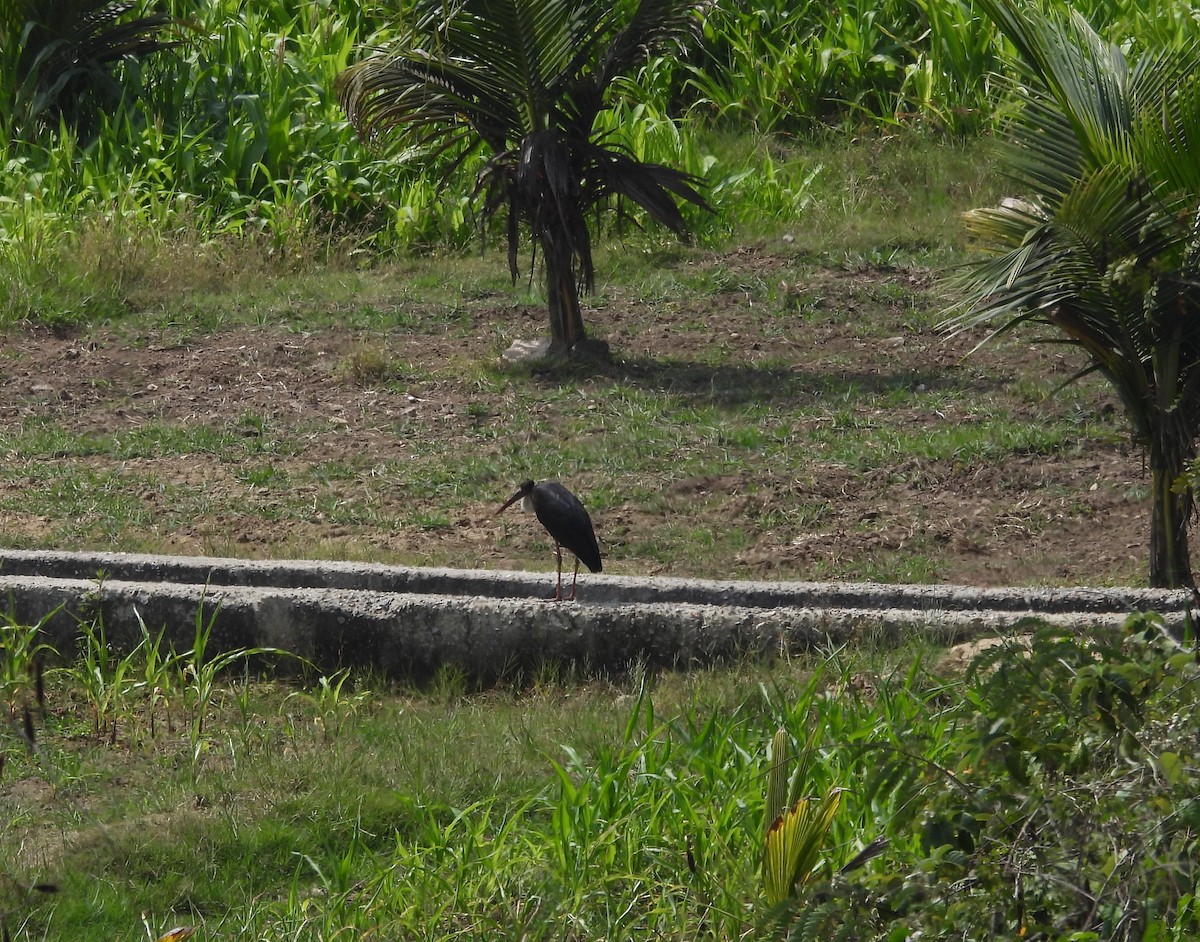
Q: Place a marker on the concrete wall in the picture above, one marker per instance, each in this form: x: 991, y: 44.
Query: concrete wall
x: 408, y: 622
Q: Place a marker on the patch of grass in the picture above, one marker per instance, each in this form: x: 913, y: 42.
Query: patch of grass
x: 914, y: 564
x: 264, y: 476
x: 329, y: 471
x: 883, y: 199
x: 45, y: 438
x: 369, y: 364
x: 869, y: 441
x: 629, y: 807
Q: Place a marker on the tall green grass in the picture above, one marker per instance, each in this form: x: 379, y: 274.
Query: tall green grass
x: 627, y: 808
x: 236, y: 134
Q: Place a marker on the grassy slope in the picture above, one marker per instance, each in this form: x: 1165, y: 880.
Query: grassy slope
x: 627, y: 807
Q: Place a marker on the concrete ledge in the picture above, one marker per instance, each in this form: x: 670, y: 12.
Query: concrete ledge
x: 407, y: 621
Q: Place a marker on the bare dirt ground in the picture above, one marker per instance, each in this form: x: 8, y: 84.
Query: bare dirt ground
x: 1076, y: 516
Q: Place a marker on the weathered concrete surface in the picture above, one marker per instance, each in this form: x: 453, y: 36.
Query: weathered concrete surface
x: 409, y: 621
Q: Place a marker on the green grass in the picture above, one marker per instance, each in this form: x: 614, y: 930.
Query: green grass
x: 806, y: 389
x: 629, y: 807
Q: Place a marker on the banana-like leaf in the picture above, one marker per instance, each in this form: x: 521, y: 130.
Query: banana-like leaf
x: 777, y: 778
x: 794, y: 843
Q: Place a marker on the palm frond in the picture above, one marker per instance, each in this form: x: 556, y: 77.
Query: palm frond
x: 652, y: 187
x: 1167, y: 132
x: 65, y: 49
x: 655, y: 26
x: 103, y: 37
x: 429, y: 101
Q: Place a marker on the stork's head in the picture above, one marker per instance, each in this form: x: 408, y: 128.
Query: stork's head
x: 523, y: 494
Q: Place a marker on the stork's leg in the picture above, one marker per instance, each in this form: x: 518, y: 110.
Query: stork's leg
x: 571, y: 597
x: 558, y: 586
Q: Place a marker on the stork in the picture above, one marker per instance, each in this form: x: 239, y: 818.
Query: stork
x: 567, y: 522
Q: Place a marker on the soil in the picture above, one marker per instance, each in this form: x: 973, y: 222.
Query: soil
x: 1075, y: 516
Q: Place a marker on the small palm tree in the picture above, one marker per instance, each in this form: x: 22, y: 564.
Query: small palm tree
x: 526, y: 79
x: 58, y: 54
x: 1103, y: 244
x: 797, y: 827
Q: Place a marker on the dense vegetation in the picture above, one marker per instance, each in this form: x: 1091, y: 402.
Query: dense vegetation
x: 235, y: 133
x: 1048, y: 794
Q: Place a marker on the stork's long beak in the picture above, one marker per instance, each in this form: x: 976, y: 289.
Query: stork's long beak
x: 508, y: 503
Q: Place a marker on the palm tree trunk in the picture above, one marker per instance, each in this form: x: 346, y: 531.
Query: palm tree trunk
x: 1171, y: 454
x: 562, y: 293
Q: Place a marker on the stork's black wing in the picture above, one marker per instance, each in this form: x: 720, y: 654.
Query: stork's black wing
x: 566, y: 520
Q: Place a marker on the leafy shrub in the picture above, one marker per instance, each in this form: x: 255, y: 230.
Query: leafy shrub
x: 1070, y: 811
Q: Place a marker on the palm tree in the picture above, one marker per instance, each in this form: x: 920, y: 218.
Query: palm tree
x: 1103, y: 244
x: 526, y: 79
x: 58, y: 54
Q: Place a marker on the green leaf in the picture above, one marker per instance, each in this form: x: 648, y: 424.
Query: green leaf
x: 794, y: 843
x: 1171, y: 767
x: 777, y: 777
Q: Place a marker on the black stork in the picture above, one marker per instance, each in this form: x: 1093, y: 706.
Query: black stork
x: 567, y: 522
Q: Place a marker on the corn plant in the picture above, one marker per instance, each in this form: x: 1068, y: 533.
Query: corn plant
x: 196, y: 673
x: 157, y: 675
x: 22, y: 656
x: 788, y: 67
x: 948, y: 78
x: 107, y: 678
x: 333, y: 705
